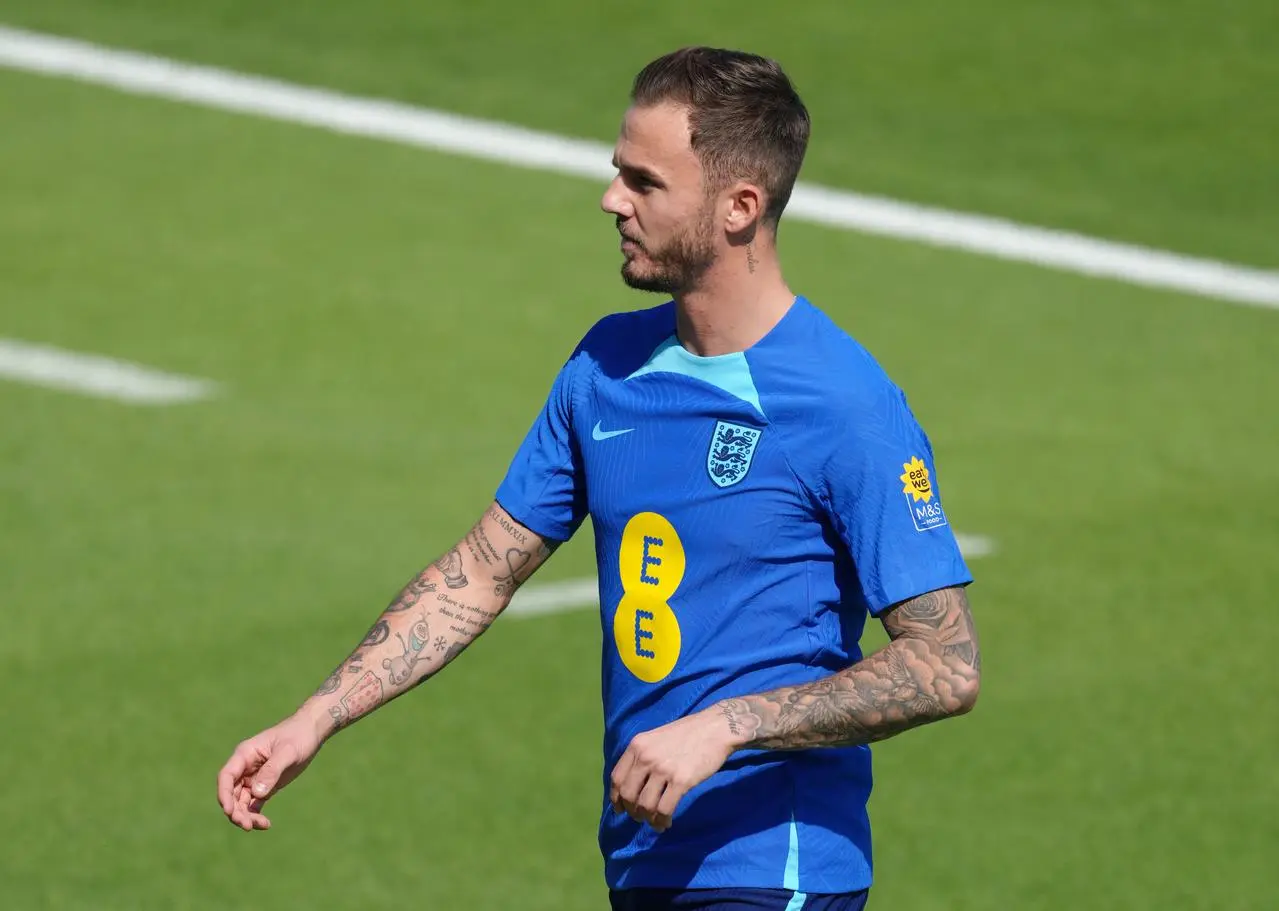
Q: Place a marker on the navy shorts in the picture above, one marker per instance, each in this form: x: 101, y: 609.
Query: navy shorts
x: 732, y: 900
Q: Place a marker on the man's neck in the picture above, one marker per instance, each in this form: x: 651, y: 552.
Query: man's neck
x: 732, y: 307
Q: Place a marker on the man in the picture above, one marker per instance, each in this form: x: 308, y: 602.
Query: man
x: 757, y: 486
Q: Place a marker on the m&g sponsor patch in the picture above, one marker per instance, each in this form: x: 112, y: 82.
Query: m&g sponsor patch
x: 923, y: 501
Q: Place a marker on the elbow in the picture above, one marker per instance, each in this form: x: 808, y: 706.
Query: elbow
x: 967, y: 697
x: 967, y: 689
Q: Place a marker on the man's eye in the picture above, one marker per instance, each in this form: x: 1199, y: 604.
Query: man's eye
x: 640, y: 182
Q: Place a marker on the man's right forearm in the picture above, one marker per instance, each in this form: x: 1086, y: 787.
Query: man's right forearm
x: 437, y: 615
x: 421, y: 631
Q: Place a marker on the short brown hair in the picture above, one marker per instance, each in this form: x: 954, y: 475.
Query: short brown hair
x: 745, y: 118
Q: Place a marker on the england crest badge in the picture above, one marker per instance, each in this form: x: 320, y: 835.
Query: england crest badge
x: 732, y: 448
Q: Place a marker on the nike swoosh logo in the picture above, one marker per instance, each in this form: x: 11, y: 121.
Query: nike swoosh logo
x: 598, y: 434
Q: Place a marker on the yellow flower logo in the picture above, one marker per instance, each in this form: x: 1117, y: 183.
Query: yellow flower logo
x: 916, y: 480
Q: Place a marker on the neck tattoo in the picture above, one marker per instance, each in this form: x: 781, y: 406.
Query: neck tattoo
x: 750, y: 258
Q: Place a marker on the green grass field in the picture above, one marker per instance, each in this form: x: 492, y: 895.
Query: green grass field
x: 385, y: 321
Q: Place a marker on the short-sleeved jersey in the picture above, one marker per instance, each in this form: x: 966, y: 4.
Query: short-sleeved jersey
x: 750, y: 510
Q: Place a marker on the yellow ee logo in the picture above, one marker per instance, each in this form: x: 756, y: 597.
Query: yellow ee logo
x: 651, y: 562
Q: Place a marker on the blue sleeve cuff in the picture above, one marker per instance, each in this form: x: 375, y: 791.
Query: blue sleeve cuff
x: 902, y: 588
x: 535, y: 520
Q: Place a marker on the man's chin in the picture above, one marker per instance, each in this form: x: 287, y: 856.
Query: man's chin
x: 640, y: 282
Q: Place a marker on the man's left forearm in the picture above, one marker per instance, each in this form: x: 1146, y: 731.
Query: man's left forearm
x: 931, y: 670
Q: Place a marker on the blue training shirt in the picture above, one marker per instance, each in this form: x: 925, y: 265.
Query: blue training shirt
x: 749, y: 511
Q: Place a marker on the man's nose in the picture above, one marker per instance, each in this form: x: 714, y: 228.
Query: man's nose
x: 615, y: 201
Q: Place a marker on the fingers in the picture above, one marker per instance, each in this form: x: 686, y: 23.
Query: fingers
x: 257, y: 819
x: 244, y: 760
x: 628, y: 794
x: 621, y: 771
x: 657, y: 801
x: 645, y: 809
x: 628, y: 780
x: 638, y: 788
x: 654, y: 801
x: 227, y: 778
x: 665, y: 812
x: 268, y: 776
x: 248, y: 812
x: 246, y: 766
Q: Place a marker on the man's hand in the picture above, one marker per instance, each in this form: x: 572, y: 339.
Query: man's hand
x: 662, y: 765
x: 261, y: 766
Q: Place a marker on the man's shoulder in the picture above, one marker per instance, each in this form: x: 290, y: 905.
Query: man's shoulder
x: 828, y: 398
x: 623, y: 340
x: 818, y: 372
x: 622, y: 324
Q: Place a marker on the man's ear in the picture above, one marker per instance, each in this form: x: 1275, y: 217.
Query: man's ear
x: 745, y: 208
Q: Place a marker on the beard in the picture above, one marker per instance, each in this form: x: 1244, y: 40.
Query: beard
x: 675, y: 266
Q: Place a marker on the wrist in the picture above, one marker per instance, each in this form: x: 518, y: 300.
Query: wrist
x: 735, y: 722
x: 317, y: 718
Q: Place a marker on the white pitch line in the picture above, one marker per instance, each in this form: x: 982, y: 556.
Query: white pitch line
x: 555, y: 597
x: 573, y: 594
x: 91, y: 374
x: 975, y: 546
x: 156, y: 76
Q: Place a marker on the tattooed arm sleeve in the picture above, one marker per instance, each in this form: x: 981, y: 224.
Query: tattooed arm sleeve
x: 437, y: 615
x: 930, y: 670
